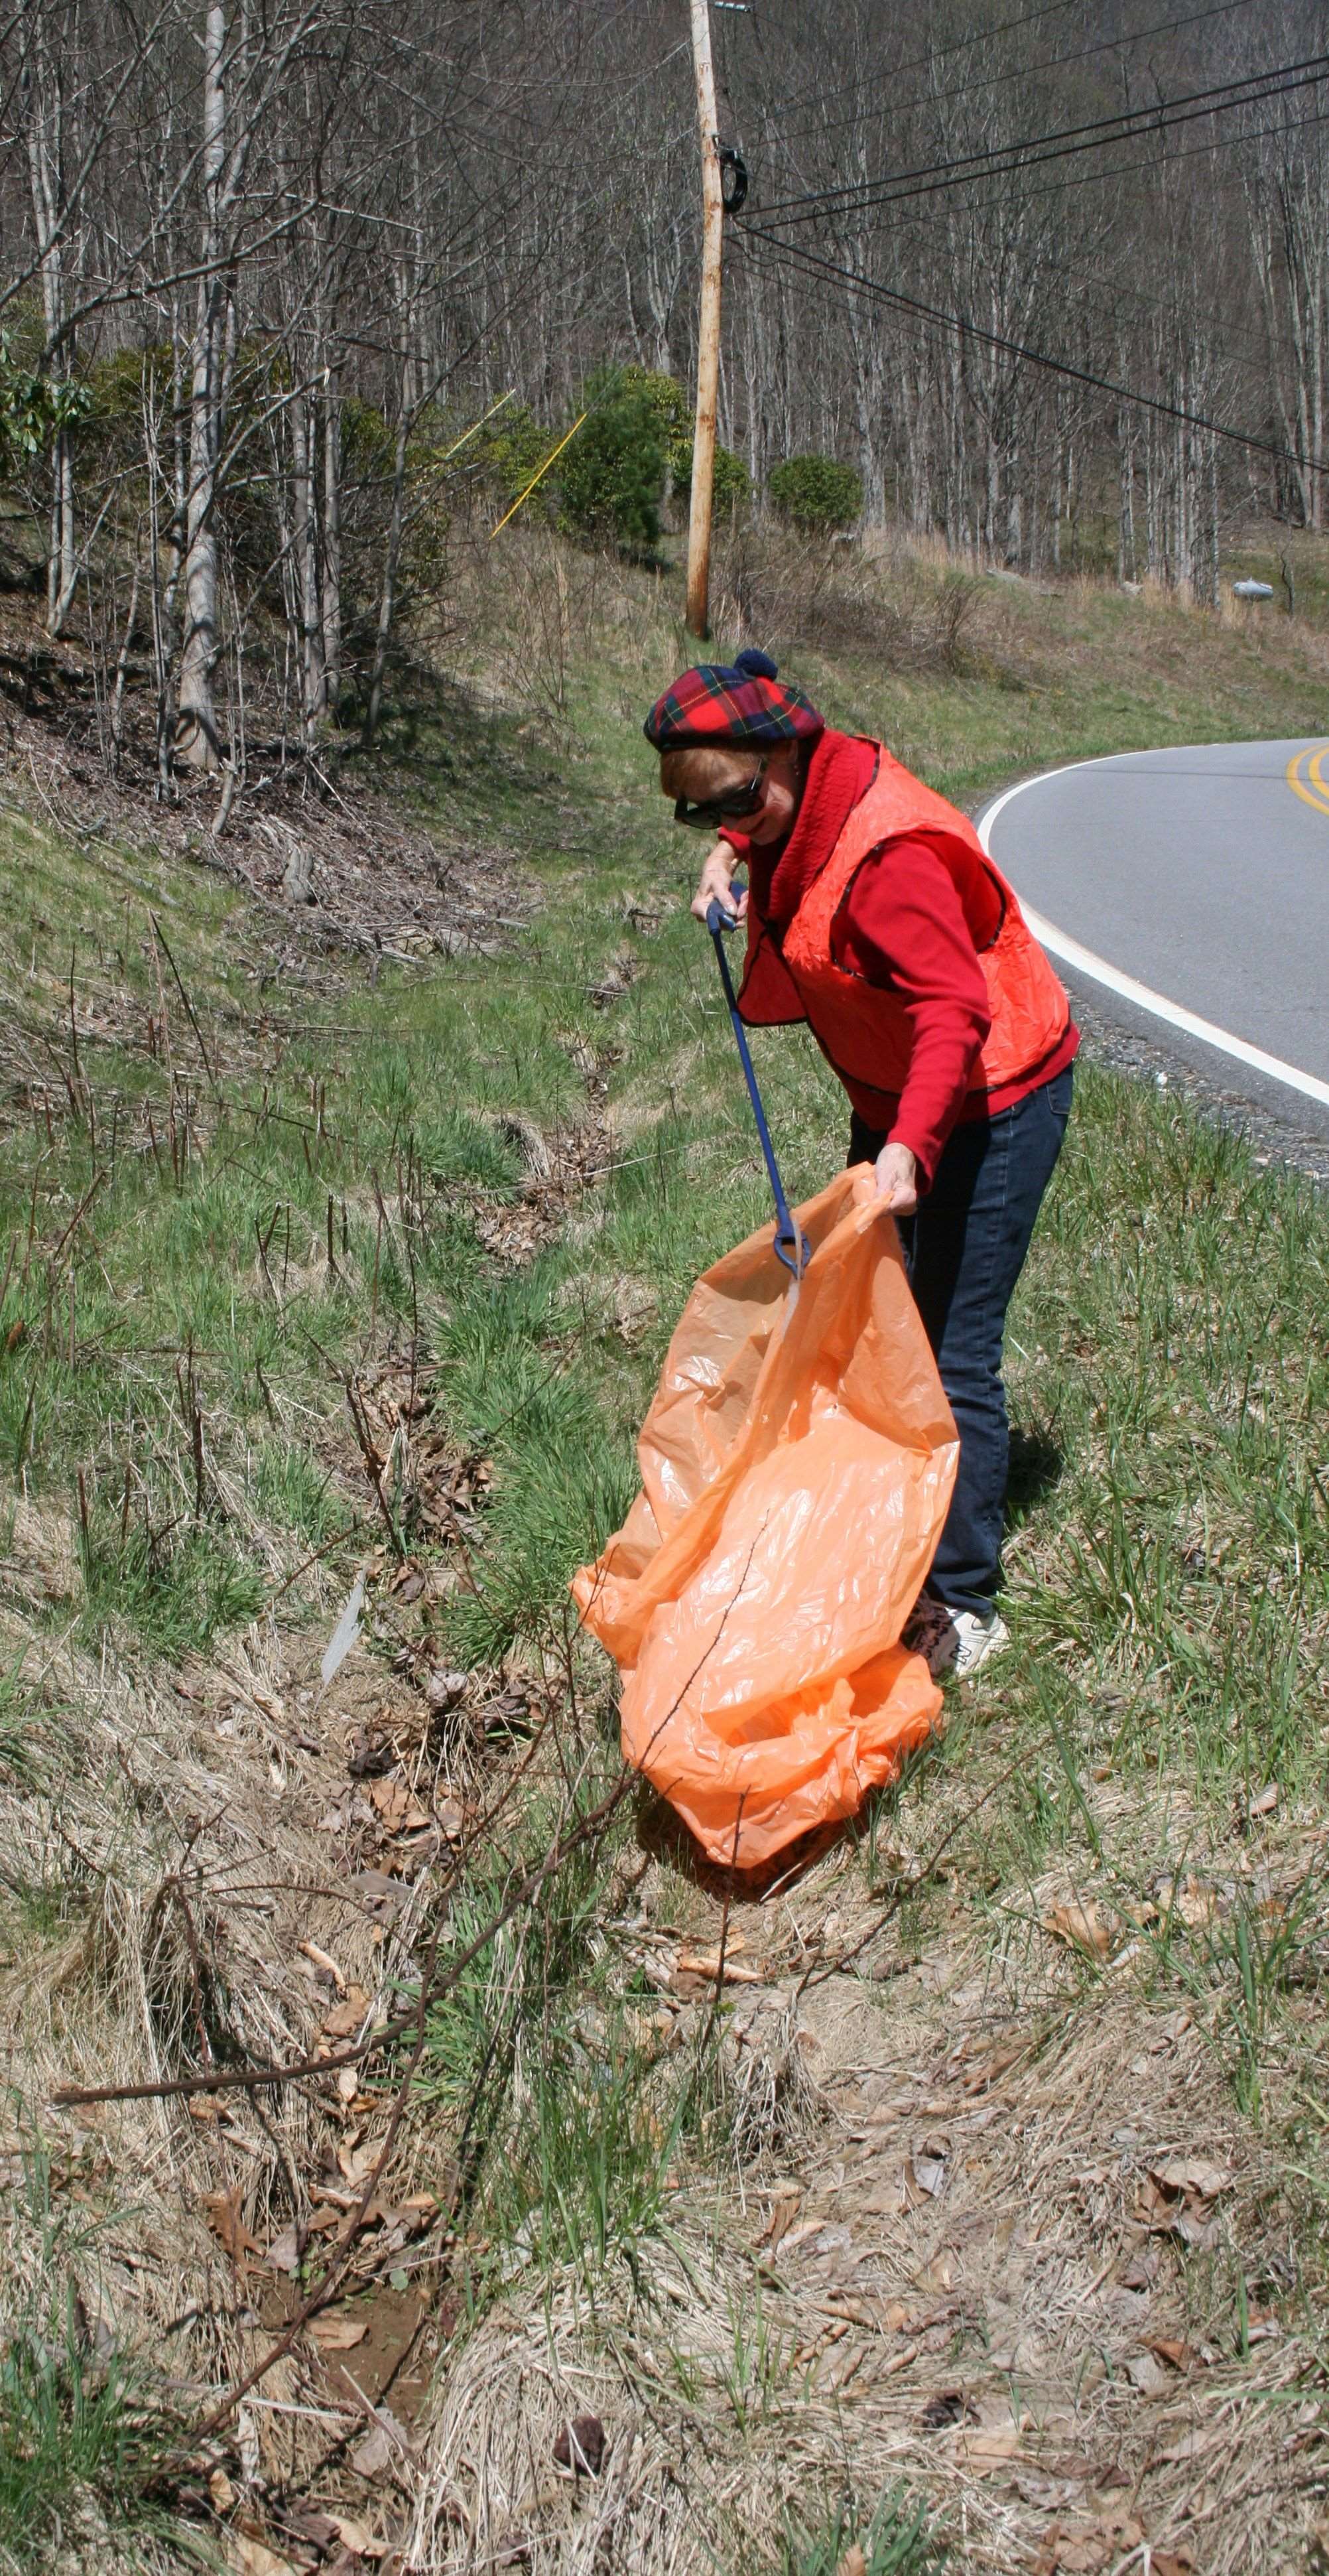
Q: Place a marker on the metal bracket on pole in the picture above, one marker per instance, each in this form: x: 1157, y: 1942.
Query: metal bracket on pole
x: 733, y: 177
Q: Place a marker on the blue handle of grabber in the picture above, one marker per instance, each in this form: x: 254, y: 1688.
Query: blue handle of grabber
x: 791, y: 1244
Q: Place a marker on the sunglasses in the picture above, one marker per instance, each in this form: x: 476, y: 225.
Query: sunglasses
x: 730, y: 808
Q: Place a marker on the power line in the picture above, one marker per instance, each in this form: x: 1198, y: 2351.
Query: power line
x: 963, y: 44
x: 1160, y: 125
x: 1125, y: 127
x: 1126, y: 169
x: 1256, y: 362
x: 797, y: 255
x: 1021, y: 71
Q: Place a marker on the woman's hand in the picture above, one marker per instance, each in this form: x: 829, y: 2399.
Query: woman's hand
x: 897, y: 1179
x: 713, y: 884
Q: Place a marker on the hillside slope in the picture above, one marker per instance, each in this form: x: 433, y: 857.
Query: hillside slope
x: 975, y: 2217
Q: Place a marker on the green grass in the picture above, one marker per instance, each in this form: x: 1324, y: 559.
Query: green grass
x: 570, y: 2113
x: 171, y: 1399
x: 84, y: 2440
x: 892, y: 2537
x: 79, y: 2442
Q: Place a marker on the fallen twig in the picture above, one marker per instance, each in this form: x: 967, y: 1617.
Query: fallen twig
x: 249, y: 2079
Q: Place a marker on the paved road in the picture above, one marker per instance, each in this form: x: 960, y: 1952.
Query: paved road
x: 1201, y: 875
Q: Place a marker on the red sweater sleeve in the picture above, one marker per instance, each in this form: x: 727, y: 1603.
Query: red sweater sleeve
x: 903, y: 926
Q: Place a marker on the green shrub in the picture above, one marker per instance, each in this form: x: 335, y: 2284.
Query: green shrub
x: 507, y: 452
x: 612, y: 476
x: 816, y: 494
x: 671, y: 407
x: 33, y: 408
x: 368, y: 442
x: 733, y: 483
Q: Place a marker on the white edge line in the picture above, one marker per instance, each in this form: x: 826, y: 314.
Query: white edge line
x: 1060, y: 944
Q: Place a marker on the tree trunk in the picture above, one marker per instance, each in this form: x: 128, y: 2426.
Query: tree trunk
x: 304, y: 570
x: 41, y: 90
x: 388, y: 601
x: 1126, y: 498
x: 331, y: 540
x: 196, y: 728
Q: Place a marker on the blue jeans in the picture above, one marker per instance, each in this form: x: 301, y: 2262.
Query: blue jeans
x: 964, y: 1252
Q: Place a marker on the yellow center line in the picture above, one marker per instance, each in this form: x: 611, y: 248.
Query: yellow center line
x: 1313, y: 789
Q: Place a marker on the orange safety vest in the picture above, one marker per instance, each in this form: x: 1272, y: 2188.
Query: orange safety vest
x: 863, y: 1029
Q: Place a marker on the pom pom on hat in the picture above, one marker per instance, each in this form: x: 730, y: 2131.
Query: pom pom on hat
x: 744, y: 702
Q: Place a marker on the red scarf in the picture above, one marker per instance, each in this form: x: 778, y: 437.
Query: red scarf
x: 839, y: 772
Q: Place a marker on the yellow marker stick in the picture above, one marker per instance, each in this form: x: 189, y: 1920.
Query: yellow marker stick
x: 536, y: 478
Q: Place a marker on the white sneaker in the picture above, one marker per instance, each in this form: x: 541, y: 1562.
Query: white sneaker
x: 953, y: 1642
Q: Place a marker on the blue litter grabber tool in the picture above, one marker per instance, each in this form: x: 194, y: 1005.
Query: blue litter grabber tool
x: 791, y: 1244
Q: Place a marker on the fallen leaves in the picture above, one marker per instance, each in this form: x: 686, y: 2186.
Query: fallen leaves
x: 399, y: 1807
x: 1193, y: 2175
x: 1196, y: 1903
x: 1089, y: 2548
x: 1080, y: 1927
x: 345, y: 2018
x: 706, y: 1966
x: 784, y: 2210
x: 1178, y: 2356
x: 580, y: 2446
x: 325, y: 2531
x: 1176, y: 2198
x: 445, y: 1690
x: 224, y: 2213
x: 283, y: 2254
x: 306, y: 2522
x: 384, y: 2445
x: 336, y: 2332
x: 358, y: 2538
x: 988, y: 2447
x: 1000, y: 2063
x: 253, y: 2558
x: 379, y: 1894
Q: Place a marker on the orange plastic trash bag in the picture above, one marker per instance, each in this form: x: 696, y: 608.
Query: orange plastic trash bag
x: 796, y: 1467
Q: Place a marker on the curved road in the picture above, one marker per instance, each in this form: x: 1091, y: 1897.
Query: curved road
x: 1188, y: 891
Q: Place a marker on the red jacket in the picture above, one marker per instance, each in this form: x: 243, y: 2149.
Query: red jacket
x: 883, y: 923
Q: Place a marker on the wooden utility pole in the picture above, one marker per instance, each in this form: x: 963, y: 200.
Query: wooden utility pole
x: 708, y: 332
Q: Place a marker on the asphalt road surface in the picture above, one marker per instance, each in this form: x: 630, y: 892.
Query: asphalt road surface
x: 1187, y: 893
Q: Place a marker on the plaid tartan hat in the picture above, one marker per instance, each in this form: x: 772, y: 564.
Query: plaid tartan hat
x: 747, y: 702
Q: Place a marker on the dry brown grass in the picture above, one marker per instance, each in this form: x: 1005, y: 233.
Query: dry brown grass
x: 994, y: 2256
x: 186, y: 1809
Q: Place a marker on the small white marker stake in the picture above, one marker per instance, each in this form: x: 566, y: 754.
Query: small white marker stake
x: 345, y: 1633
